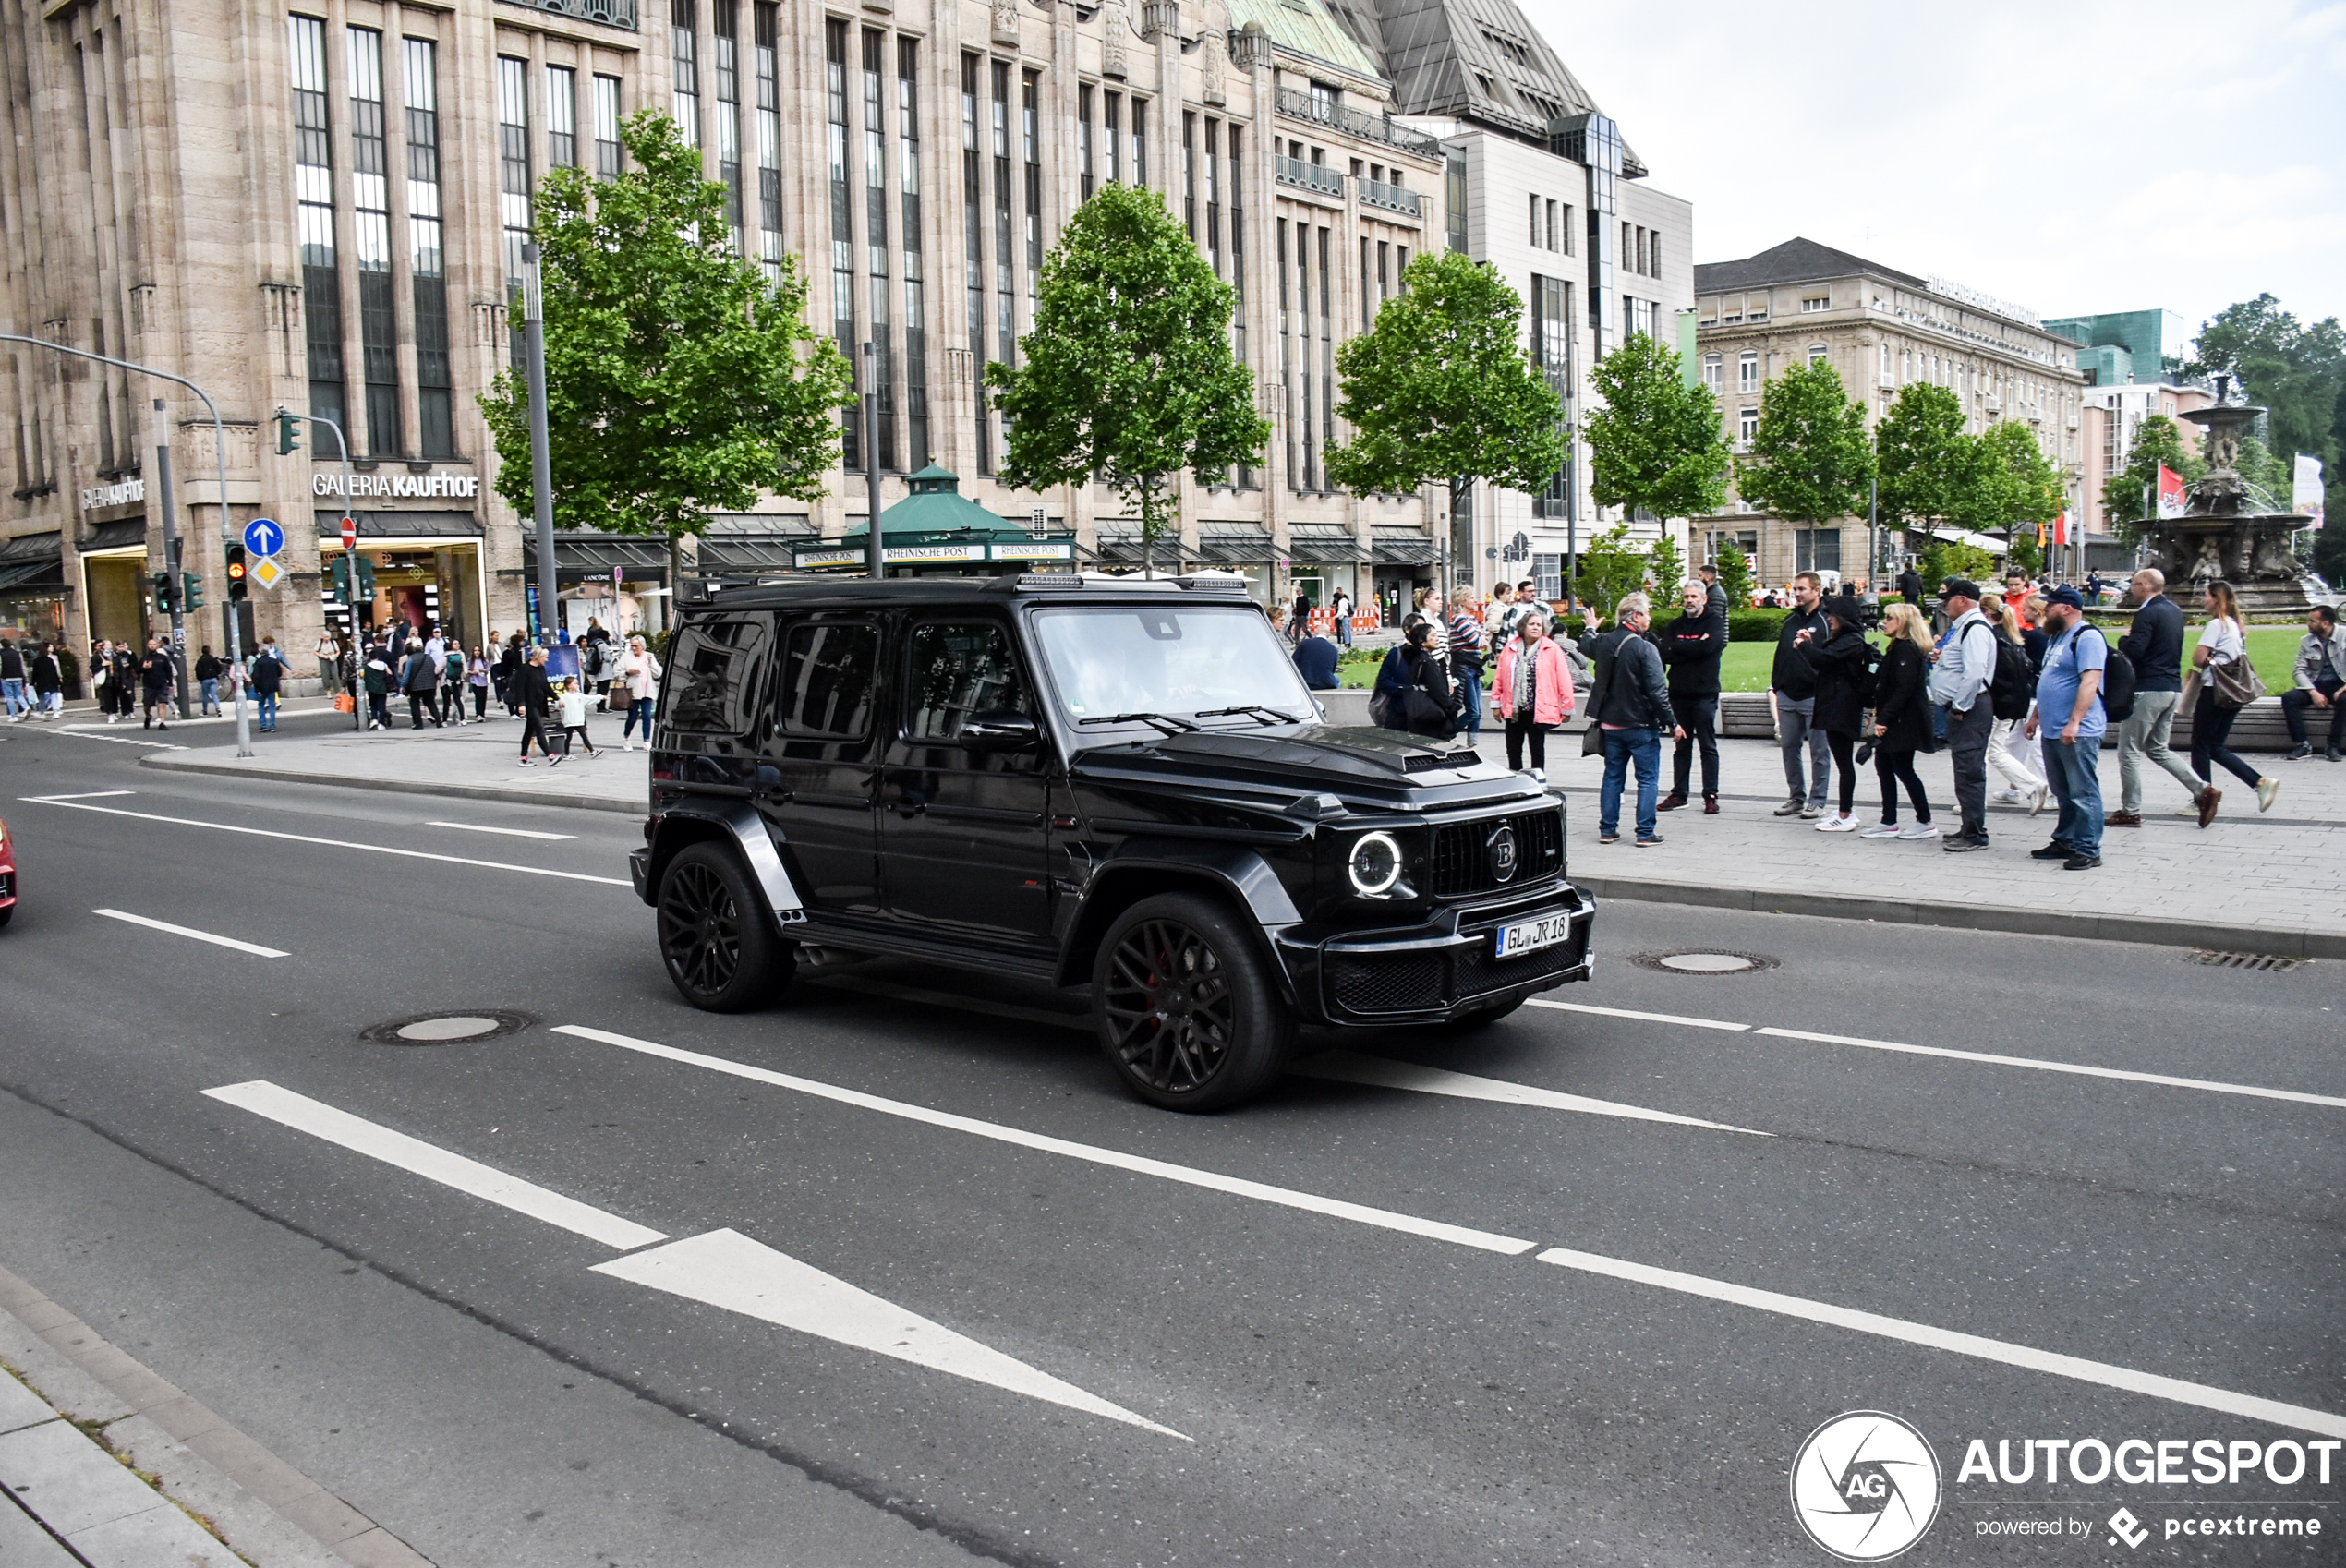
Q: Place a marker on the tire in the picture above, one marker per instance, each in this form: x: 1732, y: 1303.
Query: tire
x: 1188, y: 1011
x: 715, y: 936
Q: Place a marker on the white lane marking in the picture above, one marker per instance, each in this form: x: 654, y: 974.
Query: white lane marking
x: 1189, y: 1175
x: 89, y: 795
x: 2022, y: 1356
x: 1644, y: 1018
x: 724, y: 1268
x: 509, y: 832
x: 434, y: 1164
x: 254, y: 948
x: 2162, y: 1078
x: 328, y: 843
x: 1385, y: 1073
x: 120, y: 739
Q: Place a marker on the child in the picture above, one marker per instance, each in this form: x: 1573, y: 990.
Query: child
x: 573, y: 710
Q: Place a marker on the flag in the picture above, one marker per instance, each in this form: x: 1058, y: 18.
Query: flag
x: 2170, y: 492
x: 2305, y: 488
x: 2061, y: 530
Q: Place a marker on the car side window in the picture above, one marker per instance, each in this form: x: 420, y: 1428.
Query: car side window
x: 830, y: 674
x: 955, y: 670
x: 715, y: 676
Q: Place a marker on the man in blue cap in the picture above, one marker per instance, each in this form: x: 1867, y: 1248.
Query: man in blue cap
x: 2068, y: 712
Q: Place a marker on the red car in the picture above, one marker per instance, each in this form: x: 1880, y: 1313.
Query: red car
x: 8, y: 876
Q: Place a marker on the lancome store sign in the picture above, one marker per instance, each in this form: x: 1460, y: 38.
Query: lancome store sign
x: 400, y: 486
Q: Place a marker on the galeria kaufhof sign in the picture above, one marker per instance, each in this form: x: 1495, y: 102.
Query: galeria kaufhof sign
x: 400, y: 486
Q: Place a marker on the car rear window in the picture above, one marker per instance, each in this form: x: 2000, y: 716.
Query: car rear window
x: 715, y: 671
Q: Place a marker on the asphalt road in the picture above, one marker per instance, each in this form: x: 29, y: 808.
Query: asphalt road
x: 1376, y: 1355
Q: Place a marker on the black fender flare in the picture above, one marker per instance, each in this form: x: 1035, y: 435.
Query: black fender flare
x: 1234, y: 870
x: 738, y: 822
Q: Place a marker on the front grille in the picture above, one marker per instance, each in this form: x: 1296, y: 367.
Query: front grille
x: 1480, y: 970
x: 1400, y: 982
x: 1462, y: 859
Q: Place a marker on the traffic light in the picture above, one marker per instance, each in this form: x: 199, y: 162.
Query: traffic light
x: 288, y: 433
x: 238, y: 587
x: 342, y: 576
x: 190, y: 591
x: 162, y: 593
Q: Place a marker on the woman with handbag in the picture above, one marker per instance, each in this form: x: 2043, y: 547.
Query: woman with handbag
x: 1431, y: 704
x: 1531, y: 693
x: 1902, y: 721
x: 639, y: 679
x: 2226, y: 682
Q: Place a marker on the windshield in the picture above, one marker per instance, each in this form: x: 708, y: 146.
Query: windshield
x: 1180, y: 662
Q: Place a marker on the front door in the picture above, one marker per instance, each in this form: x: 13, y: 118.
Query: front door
x: 965, y: 833
x: 816, y: 784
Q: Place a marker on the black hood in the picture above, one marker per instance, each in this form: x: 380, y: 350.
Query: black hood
x: 1342, y: 760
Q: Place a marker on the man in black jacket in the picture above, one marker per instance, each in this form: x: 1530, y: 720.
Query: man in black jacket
x: 1792, y: 691
x: 1910, y: 585
x: 420, y: 680
x: 1633, y: 712
x: 531, y: 692
x: 157, y: 676
x: 1691, y: 648
x: 2155, y: 645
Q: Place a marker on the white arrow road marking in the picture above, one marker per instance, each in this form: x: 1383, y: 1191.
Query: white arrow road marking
x: 1385, y: 1073
x: 254, y: 948
x: 434, y: 1164
x: 722, y: 1268
x: 727, y: 1269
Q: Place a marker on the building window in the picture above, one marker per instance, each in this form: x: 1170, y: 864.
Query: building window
x: 1715, y: 372
x: 770, y: 140
x: 1813, y: 303
x: 842, y: 231
x: 562, y: 118
x: 1213, y: 195
x: 1112, y: 134
x: 1031, y: 112
x: 882, y: 337
x: 1287, y: 371
x: 1084, y: 140
x: 1816, y: 550
x: 1536, y: 231
x: 1455, y: 199
x: 1005, y: 264
x: 1140, y: 141
x: 908, y: 182
x: 1327, y: 361
x: 370, y: 243
x: 1547, y: 572
x: 1748, y: 372
x: 1552, y: 353
x: 973, y: 248
x: 314, y: 216
x: 513, y: 163
x: 729, y: 116
x: 1755, y: 308
x: 1747, y: 425
x: 684, y: 104
x: 1189, y: 174
x: 608, y: 150
x: 1238, y: 265
x: 1816, y: 354
x: 425, y: 266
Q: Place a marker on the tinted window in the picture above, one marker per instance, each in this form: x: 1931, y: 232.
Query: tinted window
x: 716, y: 670
x: 954, y: 670
x: 828, y: 671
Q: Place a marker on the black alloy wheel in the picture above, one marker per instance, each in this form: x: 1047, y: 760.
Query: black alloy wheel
x: 1189, y: 1014
x: 719, y: 946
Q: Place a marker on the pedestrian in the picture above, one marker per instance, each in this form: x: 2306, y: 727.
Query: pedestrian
x: 328, y: 652
x: 12, y: 681
x: 1837, y: 662
x: 1963, y: 667
x: 2227, y: 683
x: 2319, y: 675
x: 1533, y: 691
x: 452, y: 681
x: 2154, y: 644
x: 269, y: 671
x: 377, y: 676
x: 156, y: 680
x: 1633, y: 711
x: 48, y: 682
x: 1691, y: 650
x: 573, y: 703
x: 1902, y: 721
x: 509, y: 664
x: 1910, y: 584
x: 533, y: 694
x: 419, y: 678
x: 208, y: 670
x: 1467, y: 659
x: 122, y: 679
x: 1341, y: 603
x: 2068, y: 713
x: 396, y: 649
x: 476, y: 675
x: 2022, y: 787
x: 2033, y: 638
x: 1430, y: 706
x: 1314, y: 657
x: 639, y: 673
x: 1792, y: 690
x: 1299, y: 618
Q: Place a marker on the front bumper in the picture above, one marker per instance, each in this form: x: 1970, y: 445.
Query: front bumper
x: 1432, y: 973
x: 639, y: 871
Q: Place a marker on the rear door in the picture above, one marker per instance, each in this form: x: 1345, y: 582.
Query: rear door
x: 713, y: 701
x: 818, y: 782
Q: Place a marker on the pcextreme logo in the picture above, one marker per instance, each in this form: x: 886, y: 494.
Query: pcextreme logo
x: 1865, y: 1486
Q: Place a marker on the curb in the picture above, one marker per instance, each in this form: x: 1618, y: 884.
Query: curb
x: 2149, y: 930
x: 269, y: 1513
x: 182, y: 764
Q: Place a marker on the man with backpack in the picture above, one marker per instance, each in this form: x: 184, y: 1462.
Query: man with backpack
x: 2069, y: 696
x: 1963, y: 667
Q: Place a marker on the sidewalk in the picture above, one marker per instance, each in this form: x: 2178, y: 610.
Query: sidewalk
x: 104, y: 1464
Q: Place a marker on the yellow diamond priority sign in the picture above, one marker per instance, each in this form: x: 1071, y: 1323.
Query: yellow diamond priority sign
x: 266, y: 571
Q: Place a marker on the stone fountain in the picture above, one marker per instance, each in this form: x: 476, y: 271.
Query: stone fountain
x: 2230, y: 528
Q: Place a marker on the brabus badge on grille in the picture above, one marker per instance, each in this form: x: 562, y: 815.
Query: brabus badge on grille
x: 1502, y: 847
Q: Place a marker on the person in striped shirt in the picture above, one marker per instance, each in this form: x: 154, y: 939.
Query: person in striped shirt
x: 1466, y: 660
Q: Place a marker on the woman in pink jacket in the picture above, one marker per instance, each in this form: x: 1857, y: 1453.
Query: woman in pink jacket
x: 1533, y: 692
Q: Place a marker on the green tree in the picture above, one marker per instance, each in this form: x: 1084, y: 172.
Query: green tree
x: 1942, y: 558
x: 1655, y: 442
x: 1666, y: 566
x: 1734, y: 574
x: 1440, y: 388
x: 679, y: 379
x: 2298, y: 372
x: 2018, y: 486
x: 2129, y: 497
x: 1609, y: 568
x: 1930, y: 469
x: 2024, y: 551
x: 1809, y: 459
x: 1128, y: 373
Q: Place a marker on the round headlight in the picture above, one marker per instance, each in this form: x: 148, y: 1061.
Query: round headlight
x: 1376, y: 864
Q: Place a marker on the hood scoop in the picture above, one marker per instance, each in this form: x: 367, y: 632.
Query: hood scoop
x: 1428, y: 762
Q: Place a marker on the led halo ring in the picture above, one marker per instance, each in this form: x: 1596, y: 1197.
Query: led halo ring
x: 1368, y: 886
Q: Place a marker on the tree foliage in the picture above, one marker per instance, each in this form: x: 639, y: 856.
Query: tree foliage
x: 1441, y: 388
x: 1611, y: 567
x: 679, y: 379
x: 2299, y: 372
x: 2018, y: 485
x: 1128, y: 372
x: 1809, y: 459
x: 1655, y: 442
x: 1665, y: 566
x: 1734, y: 574
x: 2129, y: 497
x: 1930, y: 468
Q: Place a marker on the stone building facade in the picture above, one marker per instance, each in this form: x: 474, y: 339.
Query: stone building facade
x: 1881, y: 330
x: 320, y: 207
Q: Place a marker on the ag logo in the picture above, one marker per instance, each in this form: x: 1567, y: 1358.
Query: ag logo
x: 1502, y: 847
x: 1865, y: 1486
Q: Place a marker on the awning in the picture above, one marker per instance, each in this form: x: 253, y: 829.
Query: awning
x: 35, y: 561
x: 639, y: 557
x: 1403, y: 546
x: 1234, y: 544
x: 450, y: 525
x: 120, y: 534
x: 753, y: 544
x: 1325, y: 543
x: 1987, y: 542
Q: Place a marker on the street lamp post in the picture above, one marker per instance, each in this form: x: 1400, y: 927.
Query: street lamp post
x: 220, y: 463
x: 170, y: 553
x: 541, y: 484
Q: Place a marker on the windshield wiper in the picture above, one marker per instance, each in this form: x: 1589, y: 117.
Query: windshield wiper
x: 1165, y: 722
x: 1272, y: 715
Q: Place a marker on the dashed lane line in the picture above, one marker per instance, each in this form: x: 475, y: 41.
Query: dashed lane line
x: 257, y: 950
x: 328, y: 843
x: 1642, y: 1017
x: 508, y: 832
x: 122, y: 740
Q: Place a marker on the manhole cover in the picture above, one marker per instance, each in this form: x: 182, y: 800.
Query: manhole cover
x: 1704, y: 962
x: 442, y: 1028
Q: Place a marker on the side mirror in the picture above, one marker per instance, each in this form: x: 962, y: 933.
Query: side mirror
x: 1000, y: 732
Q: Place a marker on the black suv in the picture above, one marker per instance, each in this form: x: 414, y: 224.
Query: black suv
x: 1089, y: 781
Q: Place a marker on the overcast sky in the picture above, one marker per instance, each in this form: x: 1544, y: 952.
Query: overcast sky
x: 2069, y: 155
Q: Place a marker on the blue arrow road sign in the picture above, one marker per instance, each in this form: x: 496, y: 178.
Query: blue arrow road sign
x: 262, y: 536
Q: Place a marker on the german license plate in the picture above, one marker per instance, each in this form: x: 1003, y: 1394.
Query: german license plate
x: 1529, y: 936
